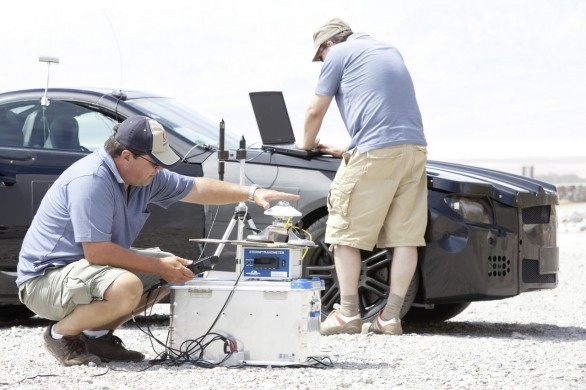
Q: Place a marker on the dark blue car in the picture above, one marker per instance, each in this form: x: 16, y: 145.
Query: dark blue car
x: 490, y: 235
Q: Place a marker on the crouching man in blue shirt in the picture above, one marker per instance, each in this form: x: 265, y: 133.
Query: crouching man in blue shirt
x: 76, y: 266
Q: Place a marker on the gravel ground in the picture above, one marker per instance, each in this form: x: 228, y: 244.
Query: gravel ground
x: 533, y: 341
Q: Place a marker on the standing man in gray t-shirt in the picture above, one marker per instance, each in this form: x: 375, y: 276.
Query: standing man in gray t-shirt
x: 379, y: 194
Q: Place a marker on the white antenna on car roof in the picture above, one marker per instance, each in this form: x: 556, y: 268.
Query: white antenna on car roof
x: 49, y: 61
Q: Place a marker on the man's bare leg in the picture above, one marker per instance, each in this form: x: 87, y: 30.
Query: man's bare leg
x: 402, y: 270
x: 346, y: 319
x: 120, y: 299
x: 348, y: 265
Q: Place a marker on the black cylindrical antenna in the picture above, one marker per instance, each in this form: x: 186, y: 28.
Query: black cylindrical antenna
x: 222, y: 154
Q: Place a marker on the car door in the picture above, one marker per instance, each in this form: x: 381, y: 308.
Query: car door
x: 37, y: 143
x: 41, y: 142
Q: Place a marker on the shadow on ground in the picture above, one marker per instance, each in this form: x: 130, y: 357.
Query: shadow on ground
x: 499, y: 330
x: 155, y: 319
x: 449, y: 328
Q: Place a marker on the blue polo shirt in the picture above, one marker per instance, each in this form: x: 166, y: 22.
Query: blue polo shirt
x: 88, y: 203
x: 374, y: 93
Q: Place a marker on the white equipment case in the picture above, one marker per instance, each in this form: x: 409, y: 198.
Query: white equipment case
x: 267, y: 322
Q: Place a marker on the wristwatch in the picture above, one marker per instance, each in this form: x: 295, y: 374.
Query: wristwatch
x: 251, y: 192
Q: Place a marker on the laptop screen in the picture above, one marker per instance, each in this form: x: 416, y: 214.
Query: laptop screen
x: 272, y: 118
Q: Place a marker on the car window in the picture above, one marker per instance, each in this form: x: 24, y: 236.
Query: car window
x: 61, y: 125
x: 10, y: 128
x: 94, y: 129
x: 189, y: 123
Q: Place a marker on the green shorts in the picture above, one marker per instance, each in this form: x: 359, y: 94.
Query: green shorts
x: 55, y: 294
x: 379, y: 198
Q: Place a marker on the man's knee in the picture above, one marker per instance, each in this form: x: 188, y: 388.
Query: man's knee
x: 125, y: 290
x: 405, y: 253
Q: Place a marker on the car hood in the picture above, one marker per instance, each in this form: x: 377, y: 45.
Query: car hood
x: 507, y: 188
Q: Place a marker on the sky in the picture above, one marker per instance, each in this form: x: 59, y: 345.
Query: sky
x: 494, y: 79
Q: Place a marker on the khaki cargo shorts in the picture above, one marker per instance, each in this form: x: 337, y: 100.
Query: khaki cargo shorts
x: 56, y: 294
x: 379, y: 198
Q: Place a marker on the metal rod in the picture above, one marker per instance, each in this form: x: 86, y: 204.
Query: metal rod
x: 49, y: 61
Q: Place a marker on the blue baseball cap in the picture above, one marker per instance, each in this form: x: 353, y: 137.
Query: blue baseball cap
x: 143, y: 134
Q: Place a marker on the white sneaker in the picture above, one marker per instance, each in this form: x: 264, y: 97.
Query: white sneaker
x: 390, y: 327
x: 337, y: 323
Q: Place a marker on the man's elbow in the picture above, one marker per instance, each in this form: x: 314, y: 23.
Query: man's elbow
x: 95, y: 253
x: 93, y: 259
x: 314, y: 114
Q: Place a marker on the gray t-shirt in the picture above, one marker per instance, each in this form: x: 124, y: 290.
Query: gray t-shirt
x: 374, y: 93
x: 89, y: 203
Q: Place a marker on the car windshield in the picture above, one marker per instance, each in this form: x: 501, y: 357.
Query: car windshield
x: 195, y: 126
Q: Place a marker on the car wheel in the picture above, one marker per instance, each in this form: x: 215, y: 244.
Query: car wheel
x: 418, y: 314
x: 373, y: 287
x: 14, y: 312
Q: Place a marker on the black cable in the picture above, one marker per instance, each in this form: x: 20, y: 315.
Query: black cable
x: 321, y: 361
x: 210, y: 231
x: 27, y: 378
x: 179, y: 356
x: 184, y: 354
x: 205, y: 148
x: 190, y: 347
x: 193, y: 350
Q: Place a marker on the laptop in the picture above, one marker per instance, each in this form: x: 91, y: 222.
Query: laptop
x: 274, y: 125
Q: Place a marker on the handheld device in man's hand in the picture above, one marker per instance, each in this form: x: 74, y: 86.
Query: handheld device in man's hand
x: 203, y: 265
x: 197, y: 267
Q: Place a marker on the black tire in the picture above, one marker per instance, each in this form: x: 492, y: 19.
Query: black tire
x: 373, y: 287
x: 14, y: 313
x: 418, y: 314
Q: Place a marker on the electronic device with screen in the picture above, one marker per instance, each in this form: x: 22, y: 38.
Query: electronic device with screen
x: 274, y: 124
